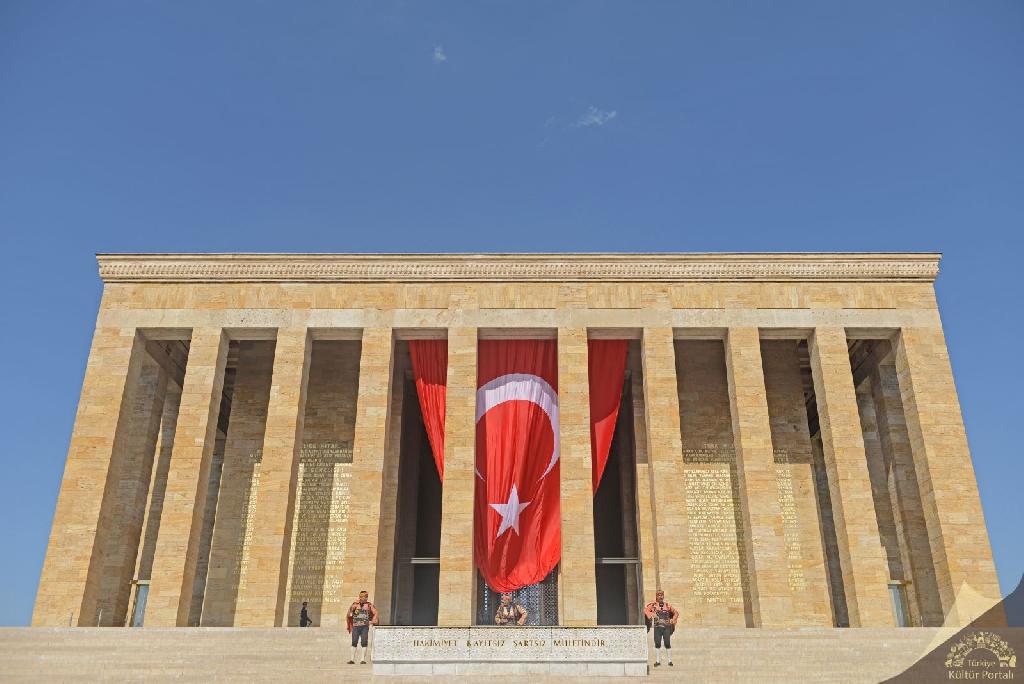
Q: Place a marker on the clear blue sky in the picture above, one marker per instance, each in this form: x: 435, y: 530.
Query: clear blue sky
x: 533, y: 126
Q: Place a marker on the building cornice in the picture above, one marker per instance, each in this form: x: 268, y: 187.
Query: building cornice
x: 569, y: 267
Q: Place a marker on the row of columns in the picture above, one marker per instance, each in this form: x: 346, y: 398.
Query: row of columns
x: 80, y: 550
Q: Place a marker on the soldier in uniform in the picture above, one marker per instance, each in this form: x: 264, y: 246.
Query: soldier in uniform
x: 361, y: 614
x: 663, y: 617
x: 509, y: 613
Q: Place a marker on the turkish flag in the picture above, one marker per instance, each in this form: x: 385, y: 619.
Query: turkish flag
x: 517, y: 524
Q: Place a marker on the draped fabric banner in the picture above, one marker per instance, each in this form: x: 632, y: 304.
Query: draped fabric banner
x: 606, y: 370
x: 517, y: 528
x: 430, y: 368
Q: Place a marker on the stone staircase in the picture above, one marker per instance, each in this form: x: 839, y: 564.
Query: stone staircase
x: 796, y: 655
x: 318, y: 655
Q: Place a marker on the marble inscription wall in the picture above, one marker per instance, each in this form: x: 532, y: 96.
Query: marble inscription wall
x: 798, y: 503
x: 319, y: 527
x: 714, y: 534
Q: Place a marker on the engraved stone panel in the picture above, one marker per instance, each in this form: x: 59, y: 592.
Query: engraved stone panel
x: 322, y: 490
x: 504, y: 650
x: 249, y: 506
x: 319, y: 535
x: 790, y: 522
x: 712, y: 496
x: 794, y: 470
x: 714, y: 529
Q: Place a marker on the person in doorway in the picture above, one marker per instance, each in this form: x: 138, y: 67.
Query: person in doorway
x: 304, y: 619
x: 663, y: 617
x: 509, y: 613
x: 361, y: 614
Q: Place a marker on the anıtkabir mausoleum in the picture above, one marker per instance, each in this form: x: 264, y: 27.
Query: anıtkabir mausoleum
x: 774, y: 440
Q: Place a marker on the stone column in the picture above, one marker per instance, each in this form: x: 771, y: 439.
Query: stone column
x: 184, y: 506
x: 158, y: 481
x: 942, y: 460
x: 665, y: 454
x: 130, y: 492
x: 905, y: 492
x: 261, y: 597
x: 388, y: 536
x: 368, y: 464
x: 879, y: 465
x: 759, y: 496
x: 628, y: 491
x: 577, y: 596
x: 70, y: 581
x: 457, y: 582
x: 646, y: 536
x: 861, y: 557
x: 206, y: 532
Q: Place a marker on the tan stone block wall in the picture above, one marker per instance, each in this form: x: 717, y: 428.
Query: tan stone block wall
x: 942, y: 459
x: 181, y: 519
x: 756, y: 473
x: 865, y: 575
x: 710, y: 483
x: 577, y: 595
x: 624, y: 295
x: 798, y: 505
x: 457, y: 580
x: 243, y: 451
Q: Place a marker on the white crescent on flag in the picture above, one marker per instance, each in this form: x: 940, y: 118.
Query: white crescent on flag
x: 521, y: 387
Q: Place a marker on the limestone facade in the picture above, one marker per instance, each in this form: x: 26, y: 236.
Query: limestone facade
x: 795, y: 450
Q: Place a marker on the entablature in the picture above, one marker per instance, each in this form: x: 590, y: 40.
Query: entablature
x: 511, y: 268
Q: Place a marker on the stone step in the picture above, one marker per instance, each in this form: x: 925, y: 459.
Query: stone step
x: 315, y: 655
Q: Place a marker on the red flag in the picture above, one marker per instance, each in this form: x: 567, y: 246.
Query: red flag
x: 606, y: 369
x: 517, y: 528
x: 430, y: 367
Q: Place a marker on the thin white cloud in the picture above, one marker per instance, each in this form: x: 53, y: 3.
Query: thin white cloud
x: 595, y: 117
x: 439, y: 55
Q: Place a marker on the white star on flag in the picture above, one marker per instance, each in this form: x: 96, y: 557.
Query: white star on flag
x: 509, y: 512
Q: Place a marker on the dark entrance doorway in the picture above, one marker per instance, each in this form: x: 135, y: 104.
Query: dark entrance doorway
x: 418, y: 523
x: 615, y: 522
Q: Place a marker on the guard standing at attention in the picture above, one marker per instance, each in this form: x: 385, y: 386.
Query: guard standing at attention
x: 361, y: 614
x: 509, y: 613
x: 663, y: 617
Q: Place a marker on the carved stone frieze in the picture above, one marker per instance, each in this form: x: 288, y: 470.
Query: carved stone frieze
x: 680, y: 267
